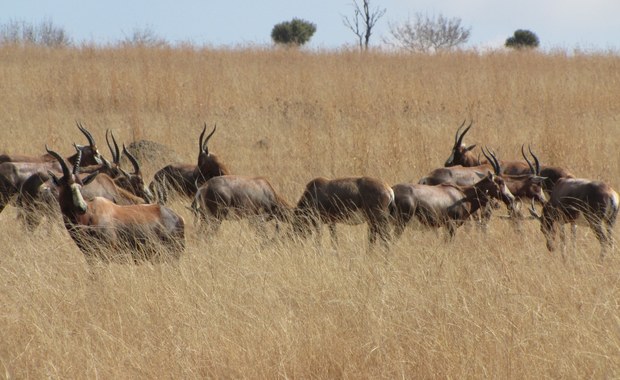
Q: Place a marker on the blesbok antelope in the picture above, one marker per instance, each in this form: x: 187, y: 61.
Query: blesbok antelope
x: 184, y: 179
x: 445, y: 205
x: 463, y: 155
x: 147, y: 231
x: 352, y: 201
x: 577, y: 198
x: 239, y: 197
x: 37, y: 198
x: 524, y: 187
x: 16, y: 169
x: 132, y: 182
x: 90, y: 154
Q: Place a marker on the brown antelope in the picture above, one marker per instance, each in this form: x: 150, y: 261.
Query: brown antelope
x: 90, y: 153
x: 16, y: 169
x: 38, y: 195
x: 36, y: 198
x: 132, y: 182
x: 239, y: 197
x: 101, y: 224
x: 576, y: 198
x: 345, y: 200
x: 445, y: 205
x: 523, y: 186
x: 185, y: 178
x: 464, y: 156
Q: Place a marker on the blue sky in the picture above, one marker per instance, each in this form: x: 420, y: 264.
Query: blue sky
x: 563, y: 24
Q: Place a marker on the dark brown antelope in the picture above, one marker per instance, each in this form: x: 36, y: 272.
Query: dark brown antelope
x: 464, y: 156
x: 90, y: 154
x: 145, y: 230
x: 239, y: 197
x: 445, y: 205
x: 132, y: 182
x: 350, y: 201
x: 16, y: 169
x: 524, y: 187
x: 573, y: 199
x: 37, y: 198
x: 185, y: 179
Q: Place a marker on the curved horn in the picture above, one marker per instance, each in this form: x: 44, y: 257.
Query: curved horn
x: 112, y: 152
x: 460, y: 140
x: 529, y: 163
x: 498, y: 167
x: 116, y: 154
x: 78, y: 160
x: 491, y: 159
x: 65, y: 169
x: 132, y: 159
x: 205, y: 147
x: 535, y: 160
x: 86, y: 133
x: 456, y: 136
x: 202, y: 134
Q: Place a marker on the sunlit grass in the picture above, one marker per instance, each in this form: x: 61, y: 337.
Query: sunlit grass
x: 237, y: 305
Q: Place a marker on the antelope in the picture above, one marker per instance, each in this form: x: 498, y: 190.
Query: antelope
x: 99, y: 223
x: 238, y: 197
x: 132, y: 182
x: 16, y: 169
x: 185, y: 178
x: 36, y: 198
x: 38, y: 195
x: 445, y: 205
x: 352, y: 201
x: 573, y: 199
x: 463, y: 155
x: 524, y: 186
x: 90, y: 154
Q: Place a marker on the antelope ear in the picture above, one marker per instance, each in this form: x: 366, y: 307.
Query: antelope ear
x: 89, y: 178
x: 480, y: 174
x: 470, y: 147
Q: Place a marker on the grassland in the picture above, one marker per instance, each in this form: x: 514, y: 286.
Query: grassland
x: 496, y: 305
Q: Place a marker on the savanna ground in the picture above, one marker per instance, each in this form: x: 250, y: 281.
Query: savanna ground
x: 497, y: 306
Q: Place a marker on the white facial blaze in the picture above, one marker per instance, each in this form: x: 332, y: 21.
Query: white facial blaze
x: 78, y: 200
x: 507, y: 192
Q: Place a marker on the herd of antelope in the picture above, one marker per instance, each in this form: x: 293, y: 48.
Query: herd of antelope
x: 108, y: 209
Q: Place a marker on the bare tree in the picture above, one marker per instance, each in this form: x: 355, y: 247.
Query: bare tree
x: 144, y: 37
x: 429, y: 34
x: 363, y: 21
x: 45, y: 34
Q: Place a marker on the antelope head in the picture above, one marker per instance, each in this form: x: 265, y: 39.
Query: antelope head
x: 493, y: 184
x: 90, y: 152
x: 208, y: 164
x: 461, y: 154
x: 69, y: 195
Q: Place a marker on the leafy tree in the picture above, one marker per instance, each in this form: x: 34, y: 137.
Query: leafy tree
x: 363, y: 22
x: 45, y: 34
x: 429, y: 34
x: 295, y: 32
x: 522, y: 39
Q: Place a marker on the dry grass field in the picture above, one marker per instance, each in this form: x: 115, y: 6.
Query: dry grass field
x: 485, y: 306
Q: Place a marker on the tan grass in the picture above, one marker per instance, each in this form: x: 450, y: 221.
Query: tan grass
x: 236, y: 306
